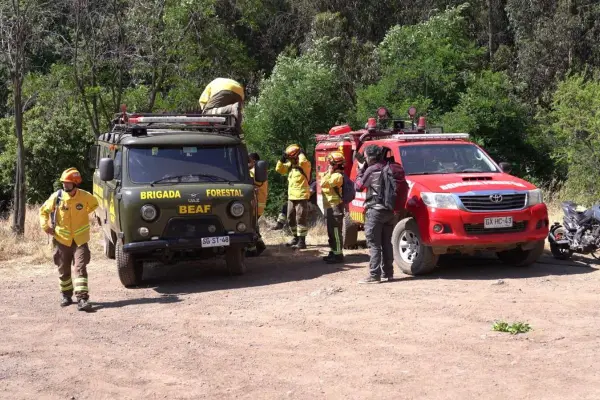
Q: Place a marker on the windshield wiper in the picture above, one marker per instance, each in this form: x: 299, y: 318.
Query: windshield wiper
x: 179, y: 177
x: 470, y: 170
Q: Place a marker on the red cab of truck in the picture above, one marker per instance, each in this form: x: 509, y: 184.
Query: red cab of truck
x: 460, y: 200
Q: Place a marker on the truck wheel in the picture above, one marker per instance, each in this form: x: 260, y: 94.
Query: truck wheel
x: 109, y: 248
x: 410, y: 254
x: 235, y: 260
x: 349, y: 232
x: 522, y: 258
x: 130, y: 270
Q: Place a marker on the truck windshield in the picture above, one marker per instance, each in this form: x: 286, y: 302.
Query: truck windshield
x: 184, y: 164
x: 445, y: 159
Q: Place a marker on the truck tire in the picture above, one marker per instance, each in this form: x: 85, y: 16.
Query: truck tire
x: 130, y: 270
x: 410, y: 254
x: 109, y: 248
x: 349, y: 232
x: 235, y: 260
x: 522, y: 258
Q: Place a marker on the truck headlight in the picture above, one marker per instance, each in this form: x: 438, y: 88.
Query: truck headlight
x: 149, y: 212
x: 534, y: 197
x: 439, y: 200
x: 236, y: 209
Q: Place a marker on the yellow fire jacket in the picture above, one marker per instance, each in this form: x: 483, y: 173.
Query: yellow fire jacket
x: 72, y: 216
x: 262, y: 191
x: 298, y: 187
x: 331, y: 185
x: 217, y: 85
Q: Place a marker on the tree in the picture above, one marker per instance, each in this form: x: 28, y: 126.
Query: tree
x: 22, y: 27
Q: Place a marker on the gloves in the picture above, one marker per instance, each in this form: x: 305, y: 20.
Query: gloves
x: 361, y: 165
x: 283, y: 158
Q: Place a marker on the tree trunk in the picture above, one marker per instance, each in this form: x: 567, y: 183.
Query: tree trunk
x: 490, y: 29
x: 19, y: 206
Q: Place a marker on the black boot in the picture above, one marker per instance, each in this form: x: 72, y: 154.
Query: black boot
x: 278, y: 227
x: 301, y: 244
x: 65, y: 300
x: 293, y: 242
x: 328, y: 256
x: 260, y: 247
x: 84, y: 305
x: 335, y: 259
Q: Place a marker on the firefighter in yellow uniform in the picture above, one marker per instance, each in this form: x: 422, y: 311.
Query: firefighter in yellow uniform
x: 262, y: 190
x: 331, y: 187
x: 221, y: 92
x: 294, y: 163
x: 65, y: 216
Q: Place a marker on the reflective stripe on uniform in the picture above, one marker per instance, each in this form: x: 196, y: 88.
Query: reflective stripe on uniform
x: 81, y: 284
x: 301, y: 230
x: 82, y: 229
x: 66, y: 286
x: 338, y: 242
x: 282, y: 218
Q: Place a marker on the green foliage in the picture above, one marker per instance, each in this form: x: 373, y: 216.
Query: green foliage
x: 424, y: 64
x: 515, y: 328
x: 490, y: 111
x: 575, y: 127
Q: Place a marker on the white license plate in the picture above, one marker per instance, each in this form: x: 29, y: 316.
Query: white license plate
x: 498, y: 222
x: 215, y: 241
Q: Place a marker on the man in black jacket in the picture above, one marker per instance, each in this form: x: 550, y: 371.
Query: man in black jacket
x: 379, y: 221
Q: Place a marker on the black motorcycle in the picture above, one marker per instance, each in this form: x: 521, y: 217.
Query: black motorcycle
x: 580, y: 232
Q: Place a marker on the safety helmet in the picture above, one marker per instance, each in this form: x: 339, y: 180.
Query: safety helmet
x: 71, y: 175
x: 292, y: 150
x: 336, y: 158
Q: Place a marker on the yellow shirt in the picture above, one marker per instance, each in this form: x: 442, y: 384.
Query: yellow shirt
x: 218, y: 85
x: 329, y: 184
x: 262, y: 190
x: 298, y: 187
x: 72, y: 216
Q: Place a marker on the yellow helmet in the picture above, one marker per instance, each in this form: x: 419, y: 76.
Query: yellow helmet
x: 292, y: 150
x: 71, y: 175
x: 336, y: 158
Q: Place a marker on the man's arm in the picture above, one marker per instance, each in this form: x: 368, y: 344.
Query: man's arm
x: 304, y: 164
x: 363, y: 179
x: 205, y: 96
x: 283, y: 168
x: 92, y: 204
x: 45, y: 212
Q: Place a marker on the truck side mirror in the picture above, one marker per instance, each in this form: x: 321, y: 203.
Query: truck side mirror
x: 505, y: 167
x: 93, y: 156
x: 260, y: 171
x: 107, y: 169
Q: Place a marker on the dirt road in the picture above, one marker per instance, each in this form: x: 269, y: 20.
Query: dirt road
x: 296, y: 328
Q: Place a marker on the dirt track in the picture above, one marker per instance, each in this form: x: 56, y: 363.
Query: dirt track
x: 296, y: 328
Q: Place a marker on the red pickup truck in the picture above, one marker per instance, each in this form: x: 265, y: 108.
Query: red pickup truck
x: 460, y: 200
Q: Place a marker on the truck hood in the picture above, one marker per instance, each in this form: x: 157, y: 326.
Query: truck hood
x: 461, y: 183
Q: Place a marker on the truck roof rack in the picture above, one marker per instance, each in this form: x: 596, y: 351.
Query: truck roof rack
x: 138, y: 124
x: 432, y: 136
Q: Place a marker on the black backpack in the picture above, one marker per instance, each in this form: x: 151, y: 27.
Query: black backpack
x: 388, y: 188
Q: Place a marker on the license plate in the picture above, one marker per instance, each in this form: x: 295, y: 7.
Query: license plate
x: 498, y: 222
x: 215, y: 241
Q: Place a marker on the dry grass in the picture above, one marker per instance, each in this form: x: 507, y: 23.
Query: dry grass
x: 34, y: 244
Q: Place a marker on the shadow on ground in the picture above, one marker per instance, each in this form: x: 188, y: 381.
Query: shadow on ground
x: 166, y: 299
x: 488, y: 266
x: 277, y: 264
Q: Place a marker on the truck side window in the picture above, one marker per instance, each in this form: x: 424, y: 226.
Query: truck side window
x: 118, y: 164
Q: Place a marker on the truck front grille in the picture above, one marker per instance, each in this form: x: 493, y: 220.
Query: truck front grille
x: 478, y: 229
x: 493, y: 202
x: 192, y: 227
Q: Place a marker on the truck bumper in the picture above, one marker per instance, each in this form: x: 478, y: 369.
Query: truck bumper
x: 465, y: 231
x: 183, y: 243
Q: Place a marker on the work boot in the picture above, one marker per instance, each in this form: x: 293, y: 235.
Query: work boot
x: 65, y: 300
x: 251, y: 252
x: 335, y: 259
x: 293, y: 242
x: 260, y: 247
x: 371, y: 279
x: 328, y: 256
x: 301, y: 244
x: 84, y: 305
x: 278, y: 227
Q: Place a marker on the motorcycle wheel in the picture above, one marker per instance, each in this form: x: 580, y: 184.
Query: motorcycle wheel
x: 560, y: 253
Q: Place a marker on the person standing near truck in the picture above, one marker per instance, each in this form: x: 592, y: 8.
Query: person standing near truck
x: 65, y: 216
x: 294, y: 163
x: 262, y: 190
x: 331, y: 186
x: 380, y: 218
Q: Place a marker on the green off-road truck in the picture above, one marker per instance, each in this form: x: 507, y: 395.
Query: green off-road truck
x: 173, y: 188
